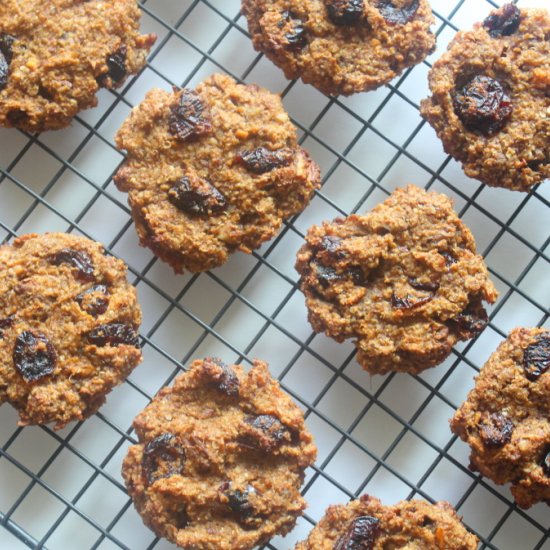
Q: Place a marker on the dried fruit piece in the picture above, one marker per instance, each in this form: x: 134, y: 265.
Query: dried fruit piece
x: 224, y: 380
x: 113, y: 334
x: 536, y: 358
x: 95, y: 300
x: 34, y: 355
x: 262, y: 160
x: 6, y: 323
x: 360, y: 535
x: 345, y: 12
x: 496, y: 430
x: 238, y: 501
x: 163, y: 457
x: 116, y: 64
x: 427, y: 286
x: 196, y: 196
x: 397, y: 16
x: 6, y: 54
x: 80, y: 260
x: 294, y: 31
x: 483, y: 105
x: 265, y: 432
x: 189, y: 118
x: 470, y: 322
x: 449, y: 258
x: 546, y: 464
x: 504, y: 21
x: 409, y: 301
x: 327, y: 275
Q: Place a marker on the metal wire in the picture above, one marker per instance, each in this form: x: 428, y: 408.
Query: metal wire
x: 336, y: 363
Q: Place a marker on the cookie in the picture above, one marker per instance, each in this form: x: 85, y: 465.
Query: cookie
x: 490, y: 100
x: 506, y: 418
x: 368, y: 525
x: 341, y: 46
x: 220, y: 459
x: 403, y: 280
x: 56, y: 54
x: 68, y: 327
x: 211, y: 171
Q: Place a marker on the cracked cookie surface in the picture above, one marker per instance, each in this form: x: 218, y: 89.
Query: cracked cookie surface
x: 341, y: 46
x: 220, y: 459
x: 366, y: 524
x: 404, y: 281
x: 490, y: 102
x: 506, y: 417
x: 211, y: 171
x: 68, y: 322
x: 55, y: 55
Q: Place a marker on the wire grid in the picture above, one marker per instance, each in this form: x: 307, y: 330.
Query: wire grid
x: 387, y: 436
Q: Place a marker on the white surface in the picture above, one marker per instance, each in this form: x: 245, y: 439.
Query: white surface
x: 251, y: 307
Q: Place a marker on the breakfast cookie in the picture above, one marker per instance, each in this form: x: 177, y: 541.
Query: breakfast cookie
x: 506, y: 417
x: 341, y: 46
x: 403, y: 280
x: 491, y: 98
x: 68, y: 322
x: 56, y: 54
x: 365, y: 524
x: 220, y: 459
x: 212, y: 171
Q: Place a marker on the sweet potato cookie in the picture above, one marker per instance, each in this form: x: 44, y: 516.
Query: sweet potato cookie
x: 212, y: 171
x: 220, y: 460
x: 490, y: 102
x: 365, y: 524
x: 68, y: 322
x: 341, y: 46
x: 404, y: 281
x: 506, y: 417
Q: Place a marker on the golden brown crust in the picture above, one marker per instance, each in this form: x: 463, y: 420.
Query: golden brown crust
x: 44, y: 293
x: 245, y: 205
x: 221, y: 459
x: 506, y: 417
x: 414, y: 524
x: 300, y: 37
x: 60, y: 57
x: 518, y: 155
x: 403, y: 280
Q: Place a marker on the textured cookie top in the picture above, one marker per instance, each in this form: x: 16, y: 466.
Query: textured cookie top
x: 403, y: 280
x: 221, y: 459
x: 56, y: 54
x: 68, y: 322
x: 491, y: 98
x: 212, y: 171
x: 506, y: 417
x: 366, y: 524
x: 341, y: 46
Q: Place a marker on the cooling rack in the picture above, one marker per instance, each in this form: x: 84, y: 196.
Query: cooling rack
x: 386, y: 436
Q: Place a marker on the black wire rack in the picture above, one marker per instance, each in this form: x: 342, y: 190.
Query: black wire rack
x: 386, y: 436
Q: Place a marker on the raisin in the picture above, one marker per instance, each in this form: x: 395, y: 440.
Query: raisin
x: 395, y: 15
x: 265, y: 432
x: 409, y: 302
x: 6, y: 323
x: 238, y: 501
x: 326, y: 275
x: 189, y: 118
x: 34, y: 355
x: 449, y: 258
x: 162, y: 457
x: 262, y: 160
x: 94, y: 301
x: 496, y: 430
x: 80, y: 260
x: 503, y: 22
x: 546, y: 463
x: 536, y: 358
x: 116, y: 67
x: 223, y: 378
x: 483, y: 105
x: 470, y: 322
x: 345, y: 12
x: 428, y: 286
x: 360, y: 535
x: 295, y: 34
x: 6, y: 55
x: 196, y: 196
x: 113, y: 334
